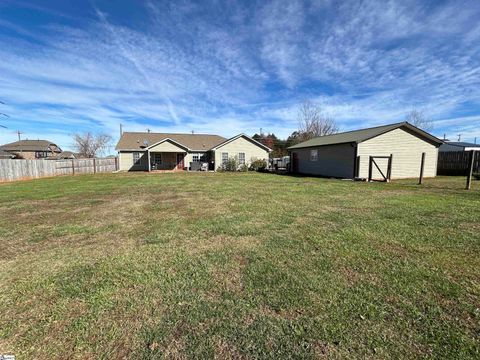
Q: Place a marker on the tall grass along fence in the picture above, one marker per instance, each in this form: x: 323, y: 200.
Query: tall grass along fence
x: 11, y: 170
x: 457, y: 162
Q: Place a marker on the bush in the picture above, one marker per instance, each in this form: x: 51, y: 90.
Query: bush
x: 258, y: 165
x: 243, y: 168
x: 231, y: 165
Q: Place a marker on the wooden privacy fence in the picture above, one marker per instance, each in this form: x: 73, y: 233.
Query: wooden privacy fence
x: 11, y: 170
x: 457, y: 163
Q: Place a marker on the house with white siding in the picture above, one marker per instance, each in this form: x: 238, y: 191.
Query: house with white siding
x: 147, y: 151
x: 392, y: 151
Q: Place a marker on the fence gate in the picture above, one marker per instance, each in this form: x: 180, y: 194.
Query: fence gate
x: 383, y: 164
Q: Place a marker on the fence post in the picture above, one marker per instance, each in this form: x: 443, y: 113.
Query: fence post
x: 73, y: 167
x: 470, y: 169
x: 422, y: 165
x: 389, y: 169
x: 94, y: 166
x: 370, y: 160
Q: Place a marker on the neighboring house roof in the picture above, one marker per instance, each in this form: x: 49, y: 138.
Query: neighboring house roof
x: 29, y: 145
x: 63, y: 155
x: 142, y: 140
x: 244, y: 136
x: 6, y: 155
x: 458, y: 146
x: 358, y: 136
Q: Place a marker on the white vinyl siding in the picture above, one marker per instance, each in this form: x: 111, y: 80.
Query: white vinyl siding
x: 167, y: 146
x: 243, y: 145
x: 406, y: 149
x: 126, y: 162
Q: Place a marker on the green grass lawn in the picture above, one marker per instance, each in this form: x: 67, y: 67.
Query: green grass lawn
x: 240, y: 265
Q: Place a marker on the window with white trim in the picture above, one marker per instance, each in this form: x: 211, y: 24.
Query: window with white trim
x: 198, y: 157
x: 241, y: 158
x: 136, y: 158
x: 224, y: 158
x: 314, y: 155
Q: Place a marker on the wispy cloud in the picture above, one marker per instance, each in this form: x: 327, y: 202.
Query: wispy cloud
x: 235, y: 67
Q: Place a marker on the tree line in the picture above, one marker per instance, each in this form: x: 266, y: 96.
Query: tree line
x: 314, y: 122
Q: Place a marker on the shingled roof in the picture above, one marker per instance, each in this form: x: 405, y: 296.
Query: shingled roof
x: 358, y: 136
x: 28, y: 145
x: 194, y: 142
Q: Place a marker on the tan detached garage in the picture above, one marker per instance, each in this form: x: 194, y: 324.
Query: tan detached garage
x: 391, y: 151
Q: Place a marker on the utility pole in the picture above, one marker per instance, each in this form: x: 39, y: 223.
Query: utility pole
x: 19, y: 133
x: 459, y: 137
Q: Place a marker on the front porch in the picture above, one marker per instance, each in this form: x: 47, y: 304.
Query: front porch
x: 166, y: 161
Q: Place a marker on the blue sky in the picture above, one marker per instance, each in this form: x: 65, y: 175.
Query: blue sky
x: 226, y: 67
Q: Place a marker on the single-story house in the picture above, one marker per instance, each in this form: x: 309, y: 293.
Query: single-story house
x: 347, y: 154
x: 32, y: 149
x: 146, y: 151
x: 458, y: 146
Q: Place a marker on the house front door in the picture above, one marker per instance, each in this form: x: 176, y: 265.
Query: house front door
x: 180, y: 164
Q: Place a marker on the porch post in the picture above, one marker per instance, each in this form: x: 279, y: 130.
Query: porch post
x: 148, y: 159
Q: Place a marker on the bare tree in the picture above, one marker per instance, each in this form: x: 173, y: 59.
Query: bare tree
x: 313, y: 122
x: 417, y: 118
x: 90, y: 145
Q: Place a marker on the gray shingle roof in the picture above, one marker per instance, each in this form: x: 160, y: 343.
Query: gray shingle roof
x: 138, y: 140
x: 462, y: 144
x: 27, y: 145
x: 357, y: 136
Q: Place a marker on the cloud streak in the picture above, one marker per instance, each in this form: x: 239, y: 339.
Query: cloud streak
x: 235, y: 67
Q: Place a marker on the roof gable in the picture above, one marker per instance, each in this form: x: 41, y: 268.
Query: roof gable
x: 244, y: 136
x: 168, y: 144
x: 358, y: 136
